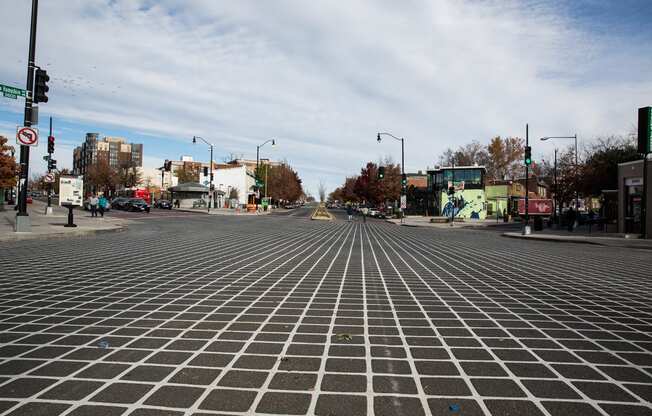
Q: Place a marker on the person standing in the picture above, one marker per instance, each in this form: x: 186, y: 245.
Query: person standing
x: 102, y: 204
x: 93, y: 204
x: 349, y: 211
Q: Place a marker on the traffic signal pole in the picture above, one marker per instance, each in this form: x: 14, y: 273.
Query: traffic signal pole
x: 22, y: 218
x: 48, y: 210
x: 526, y: 227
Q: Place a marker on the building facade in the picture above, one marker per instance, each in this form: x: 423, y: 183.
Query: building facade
x: 631, y: 198
x: 113, y: 150
x: 468, y: 201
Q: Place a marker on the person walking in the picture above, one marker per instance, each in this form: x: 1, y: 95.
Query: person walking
x: 102, y: 203
x: 93, y: 204
x: 349, y: 212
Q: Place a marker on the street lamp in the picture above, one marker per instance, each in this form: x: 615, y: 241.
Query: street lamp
x: 210, y: 188
x: 403, y: 185
x: 574, y: 137
x: 258, y: 162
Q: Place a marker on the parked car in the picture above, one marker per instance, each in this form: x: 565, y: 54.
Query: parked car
x: 119, y: 203
x: 163, y: 204
x: 136, y: 204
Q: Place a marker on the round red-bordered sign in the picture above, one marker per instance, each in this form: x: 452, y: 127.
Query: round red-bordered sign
x: 27, y: 136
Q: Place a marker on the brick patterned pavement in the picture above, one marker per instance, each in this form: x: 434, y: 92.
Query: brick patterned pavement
x: 283, y: 315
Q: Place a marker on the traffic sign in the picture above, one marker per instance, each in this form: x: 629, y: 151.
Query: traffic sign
x: 11, y: 92
x: 403, y: 202
x: 26, y: 136
x: 48, y: 178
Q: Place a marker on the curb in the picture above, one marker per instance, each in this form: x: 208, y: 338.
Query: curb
x: 555, y: 239
x: 61, y: 235
x: 580, y: 241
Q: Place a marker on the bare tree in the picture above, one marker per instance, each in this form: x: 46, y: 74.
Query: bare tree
x: 322, y: 192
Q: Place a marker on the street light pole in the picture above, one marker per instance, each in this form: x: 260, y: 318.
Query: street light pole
x: 403, y: 186
x: 210, y: 188
x: 577, y: 192
x: 273, y: 141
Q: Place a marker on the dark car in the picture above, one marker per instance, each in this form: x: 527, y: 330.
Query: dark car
x: 119, y: 203
x: 163, y: 204
x: 136, y: 204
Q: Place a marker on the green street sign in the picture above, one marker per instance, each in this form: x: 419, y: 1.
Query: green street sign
x: 645, y: 130
x: 11, y: 92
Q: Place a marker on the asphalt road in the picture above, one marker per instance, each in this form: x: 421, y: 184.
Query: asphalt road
x: 277, y: 314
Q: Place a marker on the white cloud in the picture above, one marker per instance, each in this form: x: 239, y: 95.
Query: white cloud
x: 323, y: 77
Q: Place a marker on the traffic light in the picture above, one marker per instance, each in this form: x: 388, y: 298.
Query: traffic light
x: 52, y: 164
x: 404, y: 180
x: 205, y: 170
x: 167, y: 165
x: 50, y: 144
x: 528, y: 155
x: 40, y: 86
x: 381, y: 172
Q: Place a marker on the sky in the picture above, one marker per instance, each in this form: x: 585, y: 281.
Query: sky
x: 323, y: 77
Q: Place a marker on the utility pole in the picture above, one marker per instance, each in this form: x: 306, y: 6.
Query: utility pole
x: 22, y: 218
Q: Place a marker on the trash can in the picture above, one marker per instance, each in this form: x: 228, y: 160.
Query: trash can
x: 538, y: 223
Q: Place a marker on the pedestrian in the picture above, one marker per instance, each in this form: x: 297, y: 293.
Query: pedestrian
x: 349, y: 212
x: 364, y: 214
x: 93, y: 204
x: 571, y: 219
x: 102, y: 203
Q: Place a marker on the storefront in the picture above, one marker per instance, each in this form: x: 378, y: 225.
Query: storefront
x: 630, y: 197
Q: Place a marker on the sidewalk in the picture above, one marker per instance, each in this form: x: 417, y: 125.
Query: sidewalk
x: 52, y: 226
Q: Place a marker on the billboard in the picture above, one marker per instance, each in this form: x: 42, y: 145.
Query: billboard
x: 535, y: 206
x: 71, y: 190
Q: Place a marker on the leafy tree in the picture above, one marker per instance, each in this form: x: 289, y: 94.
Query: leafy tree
x: 102, y: 177
x: 8, y: 168
x: 129, y: 175
x: 600, y: 168
x: 504, y: 157
x: 284, y: 183
x: 187, y: 174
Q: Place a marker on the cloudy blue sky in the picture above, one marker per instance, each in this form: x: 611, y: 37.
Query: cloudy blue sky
x: 322, y: 77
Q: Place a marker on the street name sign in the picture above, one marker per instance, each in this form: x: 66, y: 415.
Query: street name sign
x: 71, y: 190
x: 26, y: 136
x: 11, y: 92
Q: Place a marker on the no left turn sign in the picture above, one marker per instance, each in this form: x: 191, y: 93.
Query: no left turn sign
x: 26, y: 136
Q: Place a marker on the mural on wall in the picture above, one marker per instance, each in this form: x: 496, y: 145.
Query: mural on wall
x: 471, y: 204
